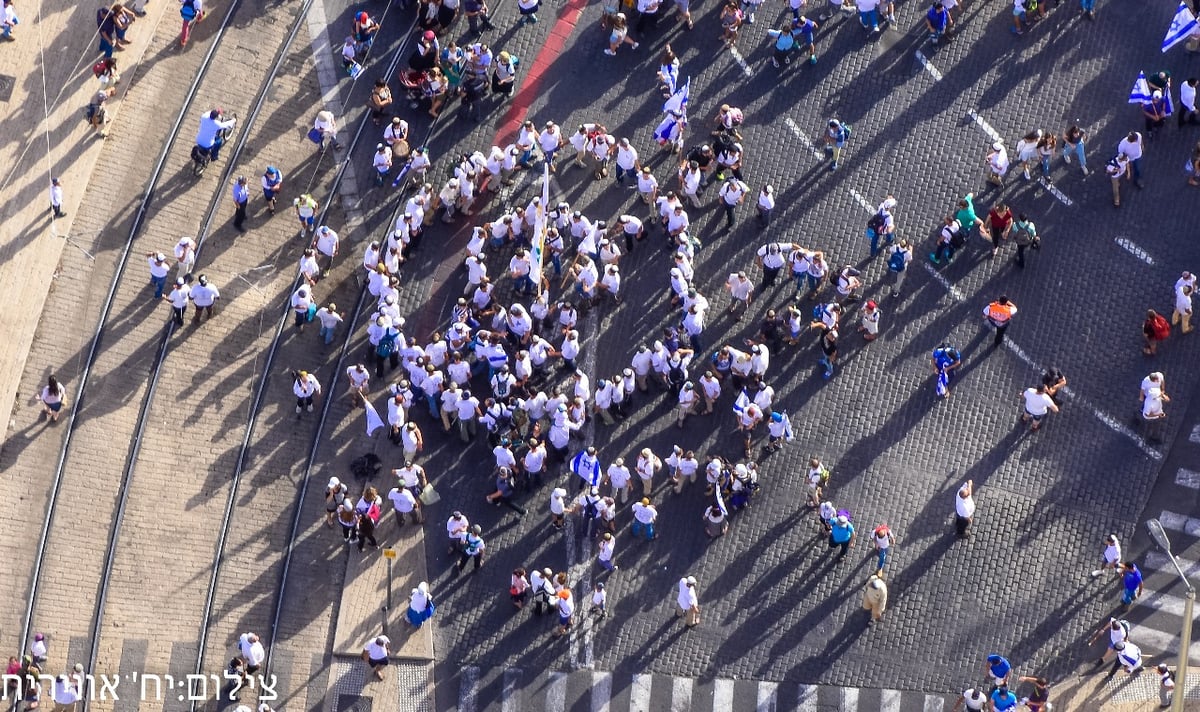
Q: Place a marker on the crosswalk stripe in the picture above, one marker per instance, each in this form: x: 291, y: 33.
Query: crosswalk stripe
x: 808, y: 698
x: 601, y: 691
x: 768, y: 695
x: 1180, y: 523
x: 1157, y: 641
x: 639, y: 693
x: 556, y: 692
x: 934, y: 703
x: 1159, y: 560
x: 512, y: 693
x: 849, y: 699
x: 681, y: 694
x: 1195, y: 436
x: 1187, y: 478
x: 722, y: 694
x: 468, y: 688
x: 889, y: 701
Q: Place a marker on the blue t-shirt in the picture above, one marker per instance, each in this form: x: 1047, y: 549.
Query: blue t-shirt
x: 944, y: 357
x: 1004, y: 700
x: 1133, y: 579
x: 999, y: 666
x: 841, y: 534
x: 937, y: 19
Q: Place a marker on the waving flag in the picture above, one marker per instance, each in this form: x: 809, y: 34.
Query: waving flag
x: 943, y: 382
x: 670, y: 74
x: 1140, y: 94
x: 1168, y: 107
x: 374, y: 422
x: 741, y: 403
x: 1182, y: 26
x: 668, y: 131
x: 679, y: 100
x: 539, y: 231
x: 787, y: 428
x: 721, y: 500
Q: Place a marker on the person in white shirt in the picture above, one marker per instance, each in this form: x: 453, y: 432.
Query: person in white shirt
x: 644, y: 517
x: 1129, y: 656
x: 329, y: 318
x: 252, y: 652
x: 185, y: 255
x: 326, y: 242
x: 619, y: 478
x: 179, y: 297
x: 604, y: 551
x: 647, y: 187
x: 306, y: 387
x: 741, y: 289
x: 1183, y: 308
x: 1131, y: 147
x: 1152, y: 404
x: 997, y: 161
x: 204, y: 295
x: 326, y: 125
x: 382, y: 162
x: 1037, y: 404
x: 550, y: 140
x: 68, y: 689
x: 376, y: 654
x: 688, y: 602
x: 964, y: 507
x: 733, y: 193
x: 1112, y: 556
x: 405, y: 504
x: 1187, y: 100
x: 627, y: 161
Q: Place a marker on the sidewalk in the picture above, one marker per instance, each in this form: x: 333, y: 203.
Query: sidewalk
x: 1121, y: 693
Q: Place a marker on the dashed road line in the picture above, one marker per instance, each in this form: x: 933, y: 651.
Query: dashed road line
x: 795, y: 129
x: 741, y: 61
x: 1195, y: 436
x: 933, y: 71
x: 1053, y: 190
x: 862, y: 201
x: 1132, y: 248
x: 1180, y: 523
x: 987, y: 128
x: 1187, y: 478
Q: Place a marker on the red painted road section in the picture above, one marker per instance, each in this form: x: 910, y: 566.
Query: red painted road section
x: 511, y: 121
x: 442, y: 293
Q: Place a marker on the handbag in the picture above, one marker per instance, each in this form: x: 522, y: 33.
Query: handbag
x: 429, y: 495
x: 314, y: 135
x: 312, y: 312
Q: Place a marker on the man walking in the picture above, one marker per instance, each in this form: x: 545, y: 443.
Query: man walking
x: 1112, y: 556
x: 1038, y: 404
x: 999, y: 315
x: 56, y: 198
x: 1131, y: 580
x: 689, y: 604
x: 875, y: 598
x: 178, y: 298
x: 964, y: 508
x: 204, y: 296
x: 241, y: 197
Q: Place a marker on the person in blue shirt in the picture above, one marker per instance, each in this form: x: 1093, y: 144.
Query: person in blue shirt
x: 241, y: 196
x: 841, y: 534
x: 937, y: 20
x: 999, y: 669
x: 945, y: 360
x: 1003, y: 699
x: 209, y: 135
x: 1132, y: 579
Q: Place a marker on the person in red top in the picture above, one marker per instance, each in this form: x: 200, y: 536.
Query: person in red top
x: 1000, y: 220
x: 1155, y: 329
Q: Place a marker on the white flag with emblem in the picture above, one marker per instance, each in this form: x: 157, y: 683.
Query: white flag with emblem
x: 1183, y: 25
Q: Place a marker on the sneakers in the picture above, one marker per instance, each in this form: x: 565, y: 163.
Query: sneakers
x: 634, y: 45
x: 298, y: 411
x: 1097, y: 572
x: 833, y: 166
x: 1067, y: 158
x: 310, y: 408
x: 812, y: 59
x: 1086, y: 172
x: 610, y: 53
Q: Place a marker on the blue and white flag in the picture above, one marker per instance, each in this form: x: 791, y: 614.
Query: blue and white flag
x: 670, y: 128
x: 1182, y: 26
x: 787, y: 428
x: 741, y: 402
x: 943, y: 382
x: 679, y: 99
x: 670, y: 76
x: 1140, y: 94
x: 721, y: 501
x: 1168, y: 107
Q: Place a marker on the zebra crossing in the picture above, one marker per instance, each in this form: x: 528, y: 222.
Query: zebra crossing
x: 1158, y: 615
x: 518, y: 690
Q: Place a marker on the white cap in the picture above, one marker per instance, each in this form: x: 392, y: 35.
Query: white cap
x: 333, y: 482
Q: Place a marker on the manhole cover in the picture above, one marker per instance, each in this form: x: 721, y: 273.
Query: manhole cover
x: 6, y: 86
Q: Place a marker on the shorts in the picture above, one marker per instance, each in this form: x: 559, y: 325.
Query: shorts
x: 564, y: 620
x: 617, y: 37
x: 528, y: 11
x: 268, y: 194
x: 55, y: 407
x: 1036, y: 418
x: 378, y: 663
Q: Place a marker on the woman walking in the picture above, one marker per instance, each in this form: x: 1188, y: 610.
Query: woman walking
x: 619, y: 35
x: 53, y: 395
x: 420, y: 605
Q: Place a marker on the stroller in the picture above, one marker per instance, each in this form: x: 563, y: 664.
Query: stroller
x: 417, y: 86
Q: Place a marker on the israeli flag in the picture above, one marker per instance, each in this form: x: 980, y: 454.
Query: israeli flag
x: 787, y: 428
x: 741, y: 403
x: 679, y: 99
x: 1140, y: 94
x: 1182, y: 26
x: 1168, y: 107
x: 669, y: 129
x: 943, y: 383
x: 721, y: 501
x: 670, y: 73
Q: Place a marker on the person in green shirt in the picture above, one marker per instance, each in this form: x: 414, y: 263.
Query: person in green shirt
x: 965, y: 215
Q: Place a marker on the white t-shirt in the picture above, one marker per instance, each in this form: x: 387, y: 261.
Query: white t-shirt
x: 1132, y: 149
x: 1112, y: 553
x: 375, y: 651
x: 964, y: 508
x: 1037, y: 403
x: 1187, y: 96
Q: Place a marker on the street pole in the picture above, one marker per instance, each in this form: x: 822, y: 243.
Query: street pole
x: 1185, y: 642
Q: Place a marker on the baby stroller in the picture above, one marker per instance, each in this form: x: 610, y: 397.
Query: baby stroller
x: 416, y: 85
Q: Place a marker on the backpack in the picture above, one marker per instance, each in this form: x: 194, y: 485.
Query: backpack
x: 957, y: 239
x: 373, y: 512
x: 387, y: 345
x: 876, y: 223
x: 99, y: 68
x: 896, y: 260
x: 188, y: 10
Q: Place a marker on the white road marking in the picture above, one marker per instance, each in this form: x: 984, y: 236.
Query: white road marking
x: 511, y: 701
x: 849, y: 699
x: 768, y: 695
x: 1187, y: 478
x: 1131, y: 247
x: 681, y: 694
x: 889, y: 701
x: 556, y: 692
x: 1157, y: 641
x: 934, y: 704
x: 1053, y: 190
x: 468, y: 689
x: 803, y: 137
x: 808, y: 698
x: 1160, y: 561
x: 1112, y: 423
x: 601, y: 691
x: 1180, y: 523
x: 722, y: 694
x: 1195, y: 436
x: 737, y: 57
x: 858, y: 198
x: 987, y: 128
x: 933, y: 71
x: 639, y: 693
